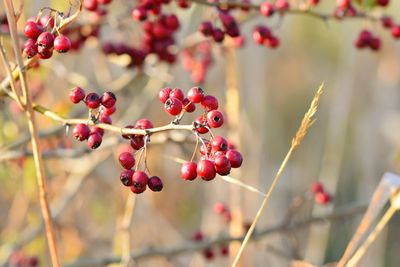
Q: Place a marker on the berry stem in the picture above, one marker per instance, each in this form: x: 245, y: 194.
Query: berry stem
x: 36, y: 149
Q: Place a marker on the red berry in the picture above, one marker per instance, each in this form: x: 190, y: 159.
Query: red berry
x: 224, y: 250
x: 219, y: 208
x: 205, y: 169
x: 126, y: 160
x: 90, y: 5
x: 144, y: 124
x: 188, y: 106
x: 94, y: 140
x: 200, y: 121
x: 208, y: 254
x: 396, y: 31
x: 108, y: 99
x: 139, y: 180
x: 173, y: 106
x: 104, y: 118
x: 33, y: 261
x: 317, y: 187
x: 155, y: 184
x: 215, y: 119
x: 137, y: 142
x: 267, y: 9
x: 235, y: 158
x: 344, y: 4
x: 44, y: 52
x: 98, y: 130
x: 218, y: 35
x: 218, y: 143
x: 222, y: 165
x: 172, y: 22
x: 126, y: 177
x: 47, y: 21
x: 189, y: 170
x: 62, y: 44
x: 322, y: 198
x: 81, y: 132
x: 46, y: 39
x: 92, y: 100
x: 32, y: 30
x: 76, y: 95
x: 206, y: 28
x: 382, y: 2
x: 163, y: 95
x: 209, y: 102
x: 195, y: 94
x: 281, y: 5
x: 108, y: 111
x: 177, y: 93
x: 30, y: 50
x: 139, y: 14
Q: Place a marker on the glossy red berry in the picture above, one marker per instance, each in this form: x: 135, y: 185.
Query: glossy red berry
x: 189, y: 170
x: 215, y: 119
x: 104, y: 118
x: 94, y: 140
x: 205, y: 169
x: 200, y: 121
x: 387, y: 22
x: 46, y: 39
x: 32, y: 30
x: 139, y: 180
x: 222, y: 165
x: 195, y: 94
x: 163, y: 95
x: 382, y: 2
x: 62, y: 44
x: 137, y: 142
x: 92, y: 100
x: 127, y: 160
x: 198, y: 236
x: 155, y: 184
x: 266, y: 9
x: 172, y: 22
x: 375, y: 43
x: 209, y: 102
x: 218, y: 143
x: 235, y: 158
x: 144, y: 124
x: 76, y: 95
x: 108, y: 99
x: 81, y: 132
x: 173, y: 106
x: 126, y: 177
x: 177, y: 93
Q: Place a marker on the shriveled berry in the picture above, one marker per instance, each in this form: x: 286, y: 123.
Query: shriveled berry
x: 218, y: 143
x: 144, y: 124
x: 92, y: 100
x: 224, y: 250
x: 218, y: 35
x: 46, y: 39
x: 195, y: 94
x: 137, y: 142
x: 32, y: 30
x: 206, y: 170
x: 188, y: 105
x: 282, y: 5
x: 209, y: 102
x: 108, y: 99
x: 76, y: 95
x: 272, y: 42
x: 163, y: 95
x: 235, y: 158
x: 173, y: 106
x: 155, y: 184
x: 81, y: 132
x: 177, y: 93
x: 387, y: 22
x: 126, y: 177
x: 139, y: 180
x: 215, y: 119
x: 127, y: 160
x: 128, y: 136
x: 189, y: 170
x: 94, y: 140
x: 62, y: 44
x: 222, y: 165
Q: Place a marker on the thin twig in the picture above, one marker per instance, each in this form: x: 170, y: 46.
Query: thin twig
x: 300, y: 134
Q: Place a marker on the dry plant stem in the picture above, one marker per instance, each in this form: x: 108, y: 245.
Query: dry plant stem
x: 300, y: 134
x: 126, y: 237
x: 353, y: 261
x: 39, y: 167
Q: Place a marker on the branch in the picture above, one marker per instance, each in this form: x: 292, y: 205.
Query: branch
x: 196, y: 246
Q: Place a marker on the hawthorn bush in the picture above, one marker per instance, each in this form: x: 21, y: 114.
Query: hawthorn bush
x: 173, y: 133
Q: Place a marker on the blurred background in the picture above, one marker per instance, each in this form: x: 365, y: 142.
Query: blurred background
x: 353, y: 142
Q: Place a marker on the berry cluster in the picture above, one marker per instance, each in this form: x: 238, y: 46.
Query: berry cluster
x: 20, y: 259
x: 320, y: 195
x: 366, y: 39
x: 262, y: 35
x: 209, y: 253
x: 100, y: 109
x: 229, y: 27
x: 41, y: 40
x: 197, y: 60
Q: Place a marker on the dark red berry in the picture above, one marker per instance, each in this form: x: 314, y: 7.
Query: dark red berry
x: 76, y: 95
x: 208, y: 254
x: 108, y: 99
x: 90, y: 5
x: 44, y: 52
x: 137, y: 142
x: 260, y: 33
x: 144, y: 124
x: 382, y: 2
x: 215, y: 119
x: 209, y: 102
x: 177, y: 93
x: 266, y: 9
x: 220, y: 208
x: 198, y: 236
x: 98, y: 130
x: 272, y: 42
x: 81, y: 132
x: 188, y: 105
x: 92, y: 100
x: 396, y: 31
x: 189, y: 170
x: 155, y: 184
x: 206, y: 28
x: 172, y: 22
x: 163, y: 95
x: 126, y: 160
x: 126, y: 177
x: 139, y: 180
x: 94, y: 140
x: 173, y: 106
x: 195, y: 94
x: 218, y: 143
x: 62, y: 44
x: 206, y: 170
x: 108, y: 111
x: 30, y: 50
x: 32, y: 30
x: 222, y: 165
x: 235, y: 158
x: 46, y: 39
